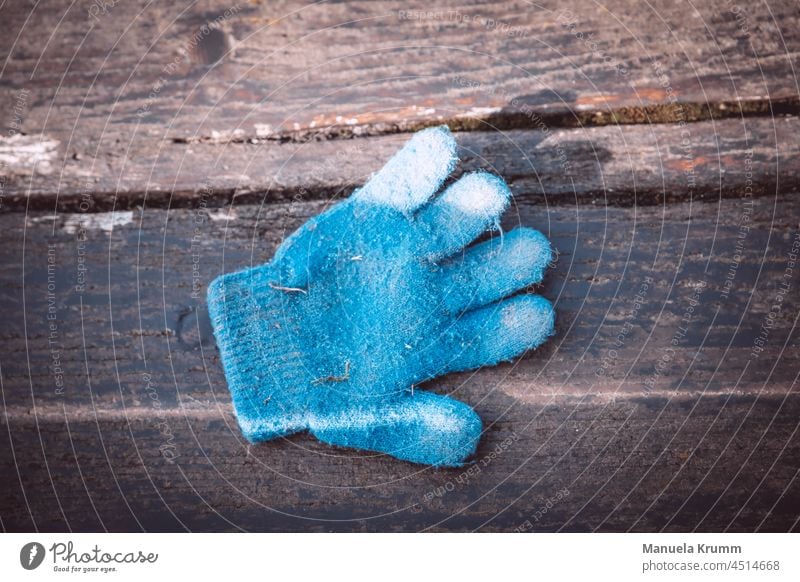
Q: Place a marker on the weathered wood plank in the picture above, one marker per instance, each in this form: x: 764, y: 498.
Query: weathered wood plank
x: 656, y: 411
x: 620, y: 165
x: 668, y: 399
x: 278, y: 70
x: 706, y: 463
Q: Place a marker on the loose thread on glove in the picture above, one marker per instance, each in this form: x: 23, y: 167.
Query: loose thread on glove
x: 344, y: 378
x: 288, y: 289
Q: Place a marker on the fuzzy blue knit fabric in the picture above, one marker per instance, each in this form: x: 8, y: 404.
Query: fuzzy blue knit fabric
x: 376, y: 295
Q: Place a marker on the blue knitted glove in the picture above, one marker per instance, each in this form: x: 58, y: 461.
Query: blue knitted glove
x: 375, y: 296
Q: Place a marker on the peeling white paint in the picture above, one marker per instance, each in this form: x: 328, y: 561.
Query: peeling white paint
x: 27, y: 154
x: 225, y: 136
x: 34, y: 220
x: 105, y: 221
x: 480, y: 112
x: 222, y: 214
x: 263, y: 129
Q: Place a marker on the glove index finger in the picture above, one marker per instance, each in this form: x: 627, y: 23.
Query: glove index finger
x: 467, y: 209
x: 415, y: 173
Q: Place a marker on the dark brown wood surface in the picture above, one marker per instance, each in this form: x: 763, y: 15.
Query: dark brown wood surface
x: 92, y: 87
x: 668, y: 398
x: 213, y: 71
x: 686, y: 451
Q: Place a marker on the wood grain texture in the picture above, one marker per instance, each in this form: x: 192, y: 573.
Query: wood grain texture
x: 148, y: 147
x: 207, y: 71
x: 623, y: 165
x: 653, y: 417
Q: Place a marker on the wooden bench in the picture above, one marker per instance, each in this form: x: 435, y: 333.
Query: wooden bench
x: 148, y: 148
